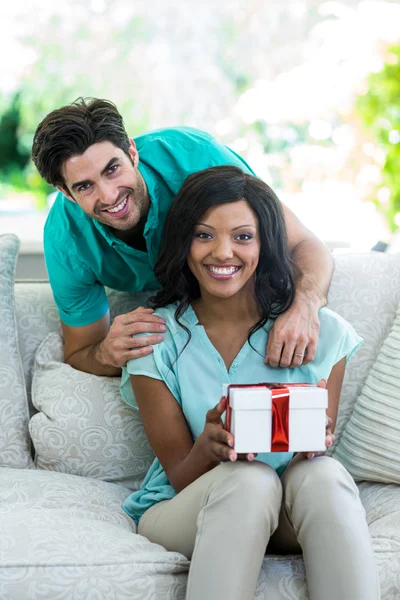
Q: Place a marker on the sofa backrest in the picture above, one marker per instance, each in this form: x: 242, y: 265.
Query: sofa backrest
x: 365, y: 290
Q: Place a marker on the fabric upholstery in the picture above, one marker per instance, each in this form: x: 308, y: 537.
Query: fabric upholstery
x: 65, y: 537
x: 365, y: 290
x: 370, y: 444
x: 15, y: 449
x: 83, y: 427
x: 37, y: 316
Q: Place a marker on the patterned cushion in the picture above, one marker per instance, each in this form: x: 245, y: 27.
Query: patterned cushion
x: 83, y: 426
x: 370, y: 444
x: 365, y: 290
x: 15, y: 448
x: 37, y: 316
x: 67, y: 537
x: 70, y: 539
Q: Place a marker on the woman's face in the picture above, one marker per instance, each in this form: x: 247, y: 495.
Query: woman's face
x: 225, y: 249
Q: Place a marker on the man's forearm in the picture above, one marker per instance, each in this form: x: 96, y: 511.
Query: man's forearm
x: 314, y: 267
x: 90, y: 360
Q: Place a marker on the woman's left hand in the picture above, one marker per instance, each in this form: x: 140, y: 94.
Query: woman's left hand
x: 329, y: 436
x: 329, y: 439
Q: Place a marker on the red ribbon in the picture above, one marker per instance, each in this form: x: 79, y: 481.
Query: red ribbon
x: 280, y: 419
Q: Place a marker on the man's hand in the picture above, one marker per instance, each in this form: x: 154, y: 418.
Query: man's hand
x: 293, y: 338
x: 119, y: 346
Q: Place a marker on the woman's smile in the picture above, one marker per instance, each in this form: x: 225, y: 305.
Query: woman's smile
x: 223, y: 271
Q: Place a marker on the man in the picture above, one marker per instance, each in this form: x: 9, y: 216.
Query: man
x: 105, y: 227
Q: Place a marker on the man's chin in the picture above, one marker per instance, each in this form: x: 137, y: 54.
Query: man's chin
x: 123, y: 224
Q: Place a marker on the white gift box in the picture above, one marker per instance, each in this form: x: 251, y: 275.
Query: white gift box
x: 276, y: 418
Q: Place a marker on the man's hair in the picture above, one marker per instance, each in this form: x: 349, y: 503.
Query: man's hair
x: 70, y: 130
x: 274, y: 275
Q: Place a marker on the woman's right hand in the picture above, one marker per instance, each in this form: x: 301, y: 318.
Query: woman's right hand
x: 215, y: 443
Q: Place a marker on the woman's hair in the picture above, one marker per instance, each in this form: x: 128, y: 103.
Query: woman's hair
x: 70, y: 130
x: 274, y: 280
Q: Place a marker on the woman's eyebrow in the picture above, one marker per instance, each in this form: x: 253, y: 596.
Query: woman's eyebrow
x: 205, y: 225
x: 233, y: 229
x: 240, y: 226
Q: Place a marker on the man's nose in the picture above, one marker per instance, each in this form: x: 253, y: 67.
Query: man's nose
x: 108, y: 195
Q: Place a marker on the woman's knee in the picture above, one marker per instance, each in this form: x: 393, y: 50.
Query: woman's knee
x: 319, y: 477
x: 323, y: 470
x: 255, y: 481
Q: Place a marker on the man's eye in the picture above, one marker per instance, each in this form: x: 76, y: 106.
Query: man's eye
x: 112, y: 169
x: 84, y: 187
x: 244, y: 237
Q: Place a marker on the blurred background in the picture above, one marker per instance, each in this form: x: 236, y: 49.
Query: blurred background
x: 307, y: 91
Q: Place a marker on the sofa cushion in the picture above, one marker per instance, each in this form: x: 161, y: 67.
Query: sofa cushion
x: 67, y: 537
x: 83, y: 426
x: 370, y: 444
x: 15, y: 450
x: 37, y: 316
x: 365, y: 290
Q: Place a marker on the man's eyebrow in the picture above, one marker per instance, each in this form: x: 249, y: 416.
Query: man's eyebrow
x: 234, y: 229
x: 84, y: 181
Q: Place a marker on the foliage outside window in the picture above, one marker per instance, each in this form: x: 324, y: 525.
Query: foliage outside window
x: 379, y: 109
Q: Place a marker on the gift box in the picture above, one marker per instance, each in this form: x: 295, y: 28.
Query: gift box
x: 271, y: 417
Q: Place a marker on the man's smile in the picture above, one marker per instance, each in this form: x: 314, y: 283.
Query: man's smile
x: 120, y: 209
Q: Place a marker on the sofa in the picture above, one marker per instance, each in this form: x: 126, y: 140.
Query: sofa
x: 71, y: 452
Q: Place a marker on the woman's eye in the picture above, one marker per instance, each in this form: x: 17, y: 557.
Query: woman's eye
x: 202, y: 235
x: 244, y: 237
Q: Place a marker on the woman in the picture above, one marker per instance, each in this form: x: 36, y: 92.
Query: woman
x: 225, y: 274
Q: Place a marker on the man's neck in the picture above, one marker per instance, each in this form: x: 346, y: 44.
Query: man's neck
x: 134, y: 237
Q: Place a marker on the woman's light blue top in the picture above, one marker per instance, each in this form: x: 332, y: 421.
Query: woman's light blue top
x: 195, y: 376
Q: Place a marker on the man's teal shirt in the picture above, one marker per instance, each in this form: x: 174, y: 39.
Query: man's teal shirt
x: 82, y: 255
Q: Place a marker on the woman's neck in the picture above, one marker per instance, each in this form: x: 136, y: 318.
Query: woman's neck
x: 238, y: 309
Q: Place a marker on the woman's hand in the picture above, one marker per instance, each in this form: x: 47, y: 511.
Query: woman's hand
x: 329, y: 439
x: 215, y: 443
x: 329, y: 436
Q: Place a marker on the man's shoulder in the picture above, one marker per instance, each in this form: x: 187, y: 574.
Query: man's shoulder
x: 174, y: 135
x: 65, y: 222
x: 65, y: 236
x: 176, y: 152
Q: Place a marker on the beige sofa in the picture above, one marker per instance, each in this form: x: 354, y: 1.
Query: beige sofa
x: 64, y: 535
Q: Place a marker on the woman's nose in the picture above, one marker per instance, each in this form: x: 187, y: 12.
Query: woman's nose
x: 222, y: 250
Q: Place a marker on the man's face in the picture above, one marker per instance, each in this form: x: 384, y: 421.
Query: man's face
x: 107, y: 185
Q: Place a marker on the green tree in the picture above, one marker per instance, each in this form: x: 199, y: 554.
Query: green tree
x: 379, y: 110
x: 11, y: 155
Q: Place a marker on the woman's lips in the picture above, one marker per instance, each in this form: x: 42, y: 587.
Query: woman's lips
x: 222, y: 272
